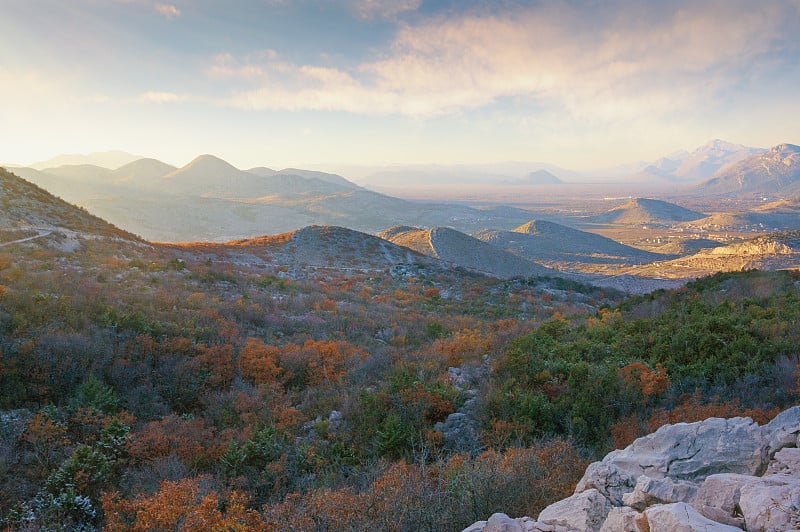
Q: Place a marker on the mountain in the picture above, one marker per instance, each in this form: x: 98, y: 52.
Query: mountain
x: 209, y: 199
x: 262, y: 171
x: 106, y: 159
x: 142, y: 170
x: 540, y: 240
x: 321, y: 176
x: 459, y: 249
x: 329, y: 247
x: 700, y: 164
x: 207, y: 175
x: 539, y: 177
x: 646, y: 211
x: 28, y: 207
x: 776, y: 171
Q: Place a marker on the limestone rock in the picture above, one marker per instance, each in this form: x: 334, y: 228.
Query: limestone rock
x: 786, y: 461
x: 585, y: 511
x: 624, y: 519
x: 650, y: 491
x: 718, y: 497
x: 502, y: 523
x: 783, y: 430
x: 477, y: 526
x: 459, y: 432
x: 680, y: 517
x: 608, y: 479
x: 771, y: 503
x: 693, y: 451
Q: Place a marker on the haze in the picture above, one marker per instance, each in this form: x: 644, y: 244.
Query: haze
x: 330, y: 84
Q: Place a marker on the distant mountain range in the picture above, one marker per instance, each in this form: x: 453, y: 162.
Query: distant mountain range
x: 774, y: 172
x: 210, y: 199
x: 698, y: 165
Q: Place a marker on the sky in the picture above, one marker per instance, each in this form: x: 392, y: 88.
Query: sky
x: 324, y: 83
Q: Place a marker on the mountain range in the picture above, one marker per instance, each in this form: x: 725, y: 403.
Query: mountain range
x: 698, y: 165
x: 774, y: 172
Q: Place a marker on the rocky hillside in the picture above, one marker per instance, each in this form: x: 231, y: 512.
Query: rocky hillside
x: 459, y: 249
x: 540, y: 240
x: 26, y: 207
x: 329, y: 247
x: 717, y: 474
x: 646, y: 211
x: 775, y: 251
x: 776, y: 171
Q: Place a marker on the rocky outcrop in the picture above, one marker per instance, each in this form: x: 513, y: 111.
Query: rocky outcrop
x: 713, y: 475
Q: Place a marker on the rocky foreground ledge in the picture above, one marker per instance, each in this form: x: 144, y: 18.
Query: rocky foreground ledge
x: 713, y: 475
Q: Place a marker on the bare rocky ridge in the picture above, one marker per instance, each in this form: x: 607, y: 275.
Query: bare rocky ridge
x: 717, y: 474
x: 540, y: 240
x: 459, y: 249
x: 328, y: 247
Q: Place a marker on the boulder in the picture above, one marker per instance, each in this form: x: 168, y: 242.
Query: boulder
x: 585, y: 511
x: 680, y: 517
x: 608, y: 479
x: 693, y: 451
x: 460, y: 433
x: 650, y: 491
x: 783, y: 430
x: 771, y: 503
x: 786, y: 462
x: 502, y: 523
x: 624, y: 519
x: 718, y: 497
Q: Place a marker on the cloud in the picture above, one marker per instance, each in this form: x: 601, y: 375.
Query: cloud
x: 368, y: 9
x: 162, y: 97
x: 168, y: 11
x: 609, y: 61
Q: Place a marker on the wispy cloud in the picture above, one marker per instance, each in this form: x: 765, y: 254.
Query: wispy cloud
x: 614, y: 60
x: 368, y: 9
x: 168, y: 11
x: 162, y: 97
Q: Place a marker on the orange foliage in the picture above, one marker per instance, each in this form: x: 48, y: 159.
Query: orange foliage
x: 258, y: 361
x: 651, y: 383
x: 181, y: 505
x: 191, y: 440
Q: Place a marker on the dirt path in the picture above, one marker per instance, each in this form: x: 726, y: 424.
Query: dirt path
x: 42, y: 233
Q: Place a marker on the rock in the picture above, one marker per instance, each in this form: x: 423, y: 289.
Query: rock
x: 771, y: 503
x: 477, y: 526
x: 718, y: 497
x: 624, y: 519
x: 680, y: 517
x: 650, y: 491
x: 783, y: 430
x: 502, y: 523
x: 583, y: 511
x: 608, y: 479
x: 693, y: 451
x: 459, y: 432
x: 786, y: 461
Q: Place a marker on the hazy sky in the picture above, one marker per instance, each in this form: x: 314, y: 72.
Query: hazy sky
x: 581, y: 84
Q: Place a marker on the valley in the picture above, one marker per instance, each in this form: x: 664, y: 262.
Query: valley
x: 297, y: 351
